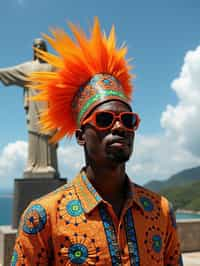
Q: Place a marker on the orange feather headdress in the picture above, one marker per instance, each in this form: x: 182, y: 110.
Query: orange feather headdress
x: 89, y: 71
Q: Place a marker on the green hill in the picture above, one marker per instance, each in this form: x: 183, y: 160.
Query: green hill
x: 184, y: 177
x: 185, y: 197
x: 182, y: 189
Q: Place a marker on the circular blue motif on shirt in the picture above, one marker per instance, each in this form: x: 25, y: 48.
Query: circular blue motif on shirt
x: 147, y: 204
x: 34, y: 219
x: 78, y: 253
x: 74, y: 208
x: 157, y: 243
x: 14, y: 258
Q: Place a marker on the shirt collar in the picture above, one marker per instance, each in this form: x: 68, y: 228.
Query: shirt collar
x: 90, y: 198
x: 86, y: 193
x: 132, y: 193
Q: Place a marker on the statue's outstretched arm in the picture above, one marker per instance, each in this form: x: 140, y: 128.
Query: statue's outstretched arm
x: 15, y: 75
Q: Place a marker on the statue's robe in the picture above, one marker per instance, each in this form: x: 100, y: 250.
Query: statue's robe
x: 42, y: 156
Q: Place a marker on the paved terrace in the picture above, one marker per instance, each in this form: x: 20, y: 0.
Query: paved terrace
x: 191, y: 259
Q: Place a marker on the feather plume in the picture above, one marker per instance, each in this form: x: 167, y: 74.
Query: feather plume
x: 76, y: 62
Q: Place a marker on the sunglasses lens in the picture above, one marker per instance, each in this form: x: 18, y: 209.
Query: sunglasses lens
x: 129, y: 120
x: 104, y: 119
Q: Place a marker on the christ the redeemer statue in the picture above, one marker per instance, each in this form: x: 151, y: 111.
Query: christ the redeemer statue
x: 42, y: 156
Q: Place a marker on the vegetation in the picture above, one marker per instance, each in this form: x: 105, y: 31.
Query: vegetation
x: 185, y: 197
x: 182, y: 189
x: 184, y: 177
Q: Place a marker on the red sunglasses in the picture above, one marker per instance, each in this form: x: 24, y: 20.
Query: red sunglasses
x: 104, y: 120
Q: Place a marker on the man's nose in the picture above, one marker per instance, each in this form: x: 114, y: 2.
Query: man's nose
x: 118, y: 126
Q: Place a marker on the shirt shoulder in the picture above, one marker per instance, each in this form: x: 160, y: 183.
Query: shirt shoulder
x: 49, y: 201
x: 150, y: 200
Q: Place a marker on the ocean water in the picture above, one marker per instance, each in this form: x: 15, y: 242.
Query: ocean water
x: 6, y: 212
x: 180, y: 216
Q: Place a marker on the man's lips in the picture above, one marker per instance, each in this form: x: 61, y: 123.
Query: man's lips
x: 118, y: 142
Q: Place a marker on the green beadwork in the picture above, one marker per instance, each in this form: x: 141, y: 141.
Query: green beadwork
x: 98, y: 97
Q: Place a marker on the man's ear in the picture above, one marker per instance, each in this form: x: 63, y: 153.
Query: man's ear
x: 80, y: 136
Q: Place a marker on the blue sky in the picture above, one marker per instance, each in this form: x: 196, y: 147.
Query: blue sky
x: 159, y: 35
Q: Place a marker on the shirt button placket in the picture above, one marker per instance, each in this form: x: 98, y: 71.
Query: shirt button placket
x: 121, y: 239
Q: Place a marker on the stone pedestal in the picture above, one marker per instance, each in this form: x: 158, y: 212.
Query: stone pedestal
x: 28, y: 189
x: 25, y: 190
x: 7, y: 240
x: 189, y: 231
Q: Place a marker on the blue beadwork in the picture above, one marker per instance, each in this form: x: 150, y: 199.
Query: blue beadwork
x: 14, y: 258
x: 74, y: 208
x: 147, y: 204
x: 111, y: 236
x: 78, y: 253
x: 106, y: 81
x: 95, y: 79
x: 91, y: 188
x: 131, y: 238
x: 157, y: 243
x: 81, y: 89
x: 35, y: 219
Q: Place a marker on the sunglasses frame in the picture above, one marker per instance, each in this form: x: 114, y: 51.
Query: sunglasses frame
x: 92, y: 118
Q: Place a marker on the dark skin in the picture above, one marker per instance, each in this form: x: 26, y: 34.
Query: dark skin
x: 106, y: 153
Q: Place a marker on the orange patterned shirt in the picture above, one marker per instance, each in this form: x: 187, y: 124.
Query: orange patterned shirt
x: 75, y: 226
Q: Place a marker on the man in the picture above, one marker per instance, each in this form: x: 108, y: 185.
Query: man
x: 42, y: 157
x: 101, y: 217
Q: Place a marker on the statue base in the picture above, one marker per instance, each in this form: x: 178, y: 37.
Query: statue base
x: 28, y: 189
x: 40, y: 172
x: 7, y: 241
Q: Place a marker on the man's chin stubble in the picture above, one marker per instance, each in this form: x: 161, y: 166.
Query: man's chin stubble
x: 118, y: 156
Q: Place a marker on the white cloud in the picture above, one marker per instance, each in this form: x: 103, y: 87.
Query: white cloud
x: 179, y: 147
x: 158, y: 157
x: 155, y: 157
x: 14, y: 155
x: 70, y: 157
x: 181, y: 122
x: 12, y: 161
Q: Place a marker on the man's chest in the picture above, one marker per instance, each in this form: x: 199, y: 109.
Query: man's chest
x: 98, y: 238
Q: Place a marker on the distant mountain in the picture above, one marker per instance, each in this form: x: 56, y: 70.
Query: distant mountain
x: 185, y: 197
x: 182, y: 178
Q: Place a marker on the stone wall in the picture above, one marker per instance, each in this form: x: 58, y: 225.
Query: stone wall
x: 7, y: 239
x: 189, y: 233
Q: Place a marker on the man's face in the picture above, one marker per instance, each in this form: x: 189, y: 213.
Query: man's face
x: 114, y: 145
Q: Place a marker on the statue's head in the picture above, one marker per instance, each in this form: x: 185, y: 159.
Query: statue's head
x: 40, y: 44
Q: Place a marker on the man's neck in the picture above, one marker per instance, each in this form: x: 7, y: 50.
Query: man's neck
x: 109, y: 182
